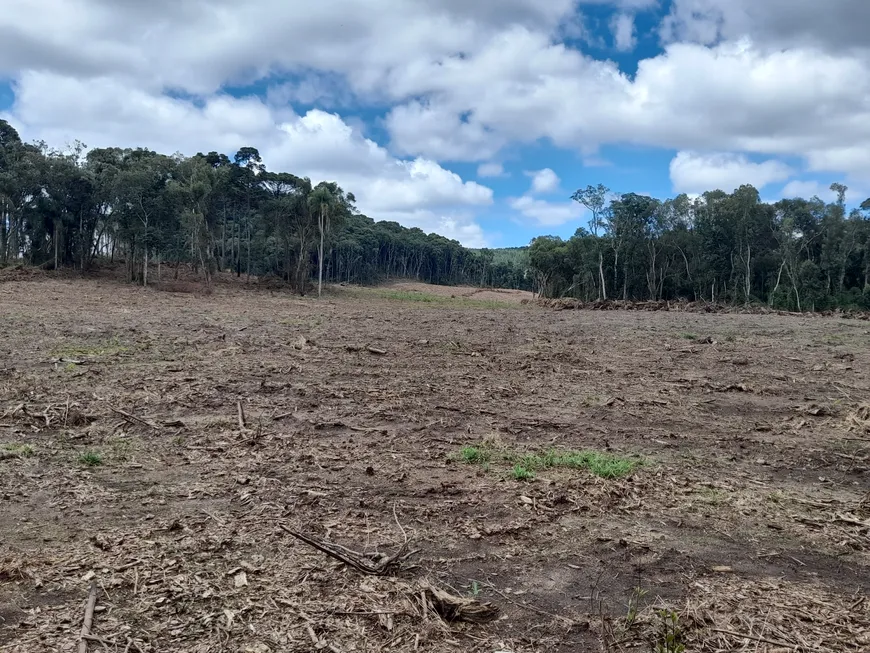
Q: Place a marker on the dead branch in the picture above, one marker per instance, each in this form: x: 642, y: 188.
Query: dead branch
x: 754, y: 638
x: 376, y: 351
x: 455, y: 608
x: 378, y: 564
x: 133, y: 418
x: 241, y: 413
x: 89, y: 618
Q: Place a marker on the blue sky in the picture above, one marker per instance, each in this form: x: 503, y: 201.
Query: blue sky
x: 474, y: 120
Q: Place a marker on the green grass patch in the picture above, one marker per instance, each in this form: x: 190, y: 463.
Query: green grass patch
x: 475, y: 455
x: 522, y: 473
x: 428, y: 299
x: 689, y: 336
x: 525, y: 466
x: 91, y: 458
x: 20, y: 450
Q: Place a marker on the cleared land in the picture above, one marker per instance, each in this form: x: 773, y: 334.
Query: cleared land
x: 608, y: 480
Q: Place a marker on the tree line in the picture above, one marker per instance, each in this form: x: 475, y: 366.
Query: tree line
x: 149, y: 210
x: 795, y: 254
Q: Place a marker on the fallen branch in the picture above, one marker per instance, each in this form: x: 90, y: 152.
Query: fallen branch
x: 133, y: 418
x: 763, y: 640
x: 377, y: 564
x: 455, y: 608
x: 375, y: 350
x: 89, y: 618
x: 241, y: 413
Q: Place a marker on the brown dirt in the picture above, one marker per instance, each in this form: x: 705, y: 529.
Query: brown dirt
x: 750, y: 516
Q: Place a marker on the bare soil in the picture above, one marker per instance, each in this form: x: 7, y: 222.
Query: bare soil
x: 746, y: 528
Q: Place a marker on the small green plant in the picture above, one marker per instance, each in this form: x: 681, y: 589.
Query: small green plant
x: 20, y: 450
x: 475, y: 455
x: 669, y: 635
x: 605, y: 465
x: 713, y: 496
x: 634, y: 606
x: 474, y: 588
x: 91, y: 458
x: 689, y: 336
x: 600, y: 464
x: 522, y: 473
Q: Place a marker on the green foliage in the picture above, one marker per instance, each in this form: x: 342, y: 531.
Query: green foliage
x: 669, y: 634
x: 211, y: 212
x: 728, y: 248
x: 20, y: 450
x: 634, y: 606
x: 604, y: 465
x: 475, y: 455
x: 522, y: 473
x: 429, y: 299
x: 91, y: 458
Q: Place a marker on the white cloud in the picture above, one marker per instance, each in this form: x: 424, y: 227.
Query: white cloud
x: 543, y: 181
x: 549, y: 214
x: 440, y: 133
x: 809, y: 188
x: 491, y: 169
x: 839, y: 25
x: 623, y: 30
x: 199, y: 45
x: 457, y: 80
x: 103, y: 112
x: 736, y: 96
x: 693, y: 172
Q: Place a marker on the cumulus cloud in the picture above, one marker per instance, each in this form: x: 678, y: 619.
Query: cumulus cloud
x: 491, y: 169
x: 547, y: 214
x: 735, y: 96
x: 454, y: 80
x: 543, y: 181
x: 320, y: 145
x: 624, y: 33
x: 693, y: 172
x: 836, y: 25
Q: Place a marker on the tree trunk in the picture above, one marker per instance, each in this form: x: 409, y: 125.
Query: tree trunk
x: 776, y: 287
x: 601, y: 274
x: 145, y: 268
x: 56, y: 233
x: 748, y: 280
x: 320, y: 259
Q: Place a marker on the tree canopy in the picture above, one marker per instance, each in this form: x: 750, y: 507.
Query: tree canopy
x: 794, y: 254
x: 65, y: 209
x: 213, y: 212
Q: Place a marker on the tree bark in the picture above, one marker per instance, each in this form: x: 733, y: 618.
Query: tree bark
x: 320, y: 258
x: 601, y: 274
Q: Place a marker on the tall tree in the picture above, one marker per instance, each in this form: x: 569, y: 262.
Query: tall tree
x: 594, y: 198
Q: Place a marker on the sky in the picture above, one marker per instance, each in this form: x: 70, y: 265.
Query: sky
x: 475, y: 119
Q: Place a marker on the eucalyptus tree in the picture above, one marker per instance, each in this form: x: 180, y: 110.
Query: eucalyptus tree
x: 594, y: 198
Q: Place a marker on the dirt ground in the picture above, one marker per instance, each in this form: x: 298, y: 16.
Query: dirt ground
x: 124, y: 462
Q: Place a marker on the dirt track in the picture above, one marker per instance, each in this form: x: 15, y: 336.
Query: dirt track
x: 749, y: 516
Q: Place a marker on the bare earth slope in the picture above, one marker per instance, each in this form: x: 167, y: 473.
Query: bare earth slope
x: 123, y: 461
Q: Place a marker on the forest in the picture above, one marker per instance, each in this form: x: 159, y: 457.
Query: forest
x: 71, y: 208
x: 796, y: 254
x: 149, y: 210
